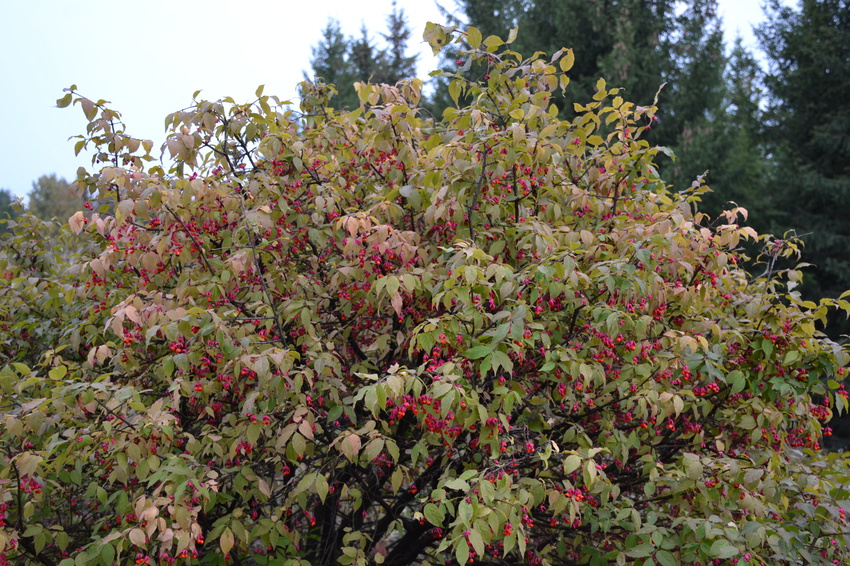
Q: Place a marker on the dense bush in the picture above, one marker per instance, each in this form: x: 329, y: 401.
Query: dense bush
x: 314, y: 337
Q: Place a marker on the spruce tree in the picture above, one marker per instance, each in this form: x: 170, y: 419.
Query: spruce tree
x: 740, y: 171
x: 692, y: 100
x: 330, y: 63
x: 342, y: 62
x: 637, y: 45
x: 398, y: 64
x: 809, y: 131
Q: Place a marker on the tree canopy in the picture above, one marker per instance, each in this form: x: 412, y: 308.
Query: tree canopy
x: 368, y: 337
x: 51, y: 197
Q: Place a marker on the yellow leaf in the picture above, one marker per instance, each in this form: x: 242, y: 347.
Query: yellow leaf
x: 493, y: 42
x: 64, y: 101
x: 350, y: 446
x: 397, y: 303
x: 225, y: 541
x: 437, y: 36
x: 473, y: 36
x: 568, y: 60
x: 137, y: 537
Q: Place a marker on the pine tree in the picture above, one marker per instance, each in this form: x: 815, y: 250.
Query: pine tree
x: 636, y: 44
x: 365, y: 58
x: 809, y: 131
x: 741, y: 167
x: 628, y: 42
x: 331, y: 64
x: 398, y: 65
x: 342, y: 62
x: 330, y: 56
x: 692, y: 100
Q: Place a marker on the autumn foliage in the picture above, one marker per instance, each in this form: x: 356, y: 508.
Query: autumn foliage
x: 372, y: 337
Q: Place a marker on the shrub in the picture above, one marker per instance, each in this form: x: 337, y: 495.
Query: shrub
x: 314, y: 337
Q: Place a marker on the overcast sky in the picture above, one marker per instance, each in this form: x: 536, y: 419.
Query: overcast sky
x: 148, y: 57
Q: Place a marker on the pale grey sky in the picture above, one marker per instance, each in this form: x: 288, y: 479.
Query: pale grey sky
x: 148, y: 57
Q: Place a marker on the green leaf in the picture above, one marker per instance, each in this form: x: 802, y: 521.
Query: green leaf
x: 65, y: 101
x: 640, y: 551
x: 722, y: 549
x: 693, y: 466
x: 666, y: 558
x: 461, y: 551
x: 477, y: 352
x: 322, y: 487
x: 58, y: 372
x: 226, y: 541
x: 458, y: 484
x: 477, y: 542
x: 435, y: 514
x: 589, y: 473
x: 373, y: 449
x: 107, y: 554
x: 454, y: 91
x: 737, y: 381
x: 501, y: 359
x: 572, y: 463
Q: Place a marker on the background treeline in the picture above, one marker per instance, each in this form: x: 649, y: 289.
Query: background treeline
x: 49, y: 198
x: 773, y: 134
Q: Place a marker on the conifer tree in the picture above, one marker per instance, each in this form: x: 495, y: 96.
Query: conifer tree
x: 809, y: 131
x: 741, y: 170
x: 331, y: 64
x: 342, y: 62
x: 398, y: 64
x: 637, y: 45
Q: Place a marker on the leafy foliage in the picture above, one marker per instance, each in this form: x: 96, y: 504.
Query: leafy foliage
x: 350, y: 338
x: 639, y: 46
